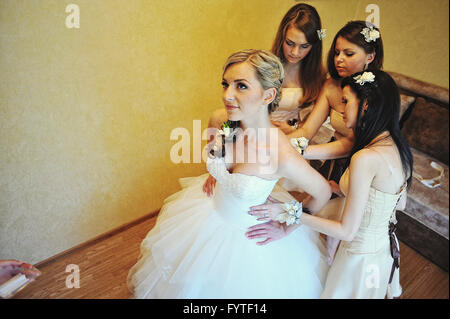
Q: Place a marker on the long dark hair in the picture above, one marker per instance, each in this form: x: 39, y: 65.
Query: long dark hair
x: 382, y: 114
x: 312, y: 73
x: 352, y: 32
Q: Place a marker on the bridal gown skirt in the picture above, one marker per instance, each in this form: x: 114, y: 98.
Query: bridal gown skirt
x: 197, y: 251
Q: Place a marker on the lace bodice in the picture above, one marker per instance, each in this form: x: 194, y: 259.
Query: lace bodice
x: 235, y: 193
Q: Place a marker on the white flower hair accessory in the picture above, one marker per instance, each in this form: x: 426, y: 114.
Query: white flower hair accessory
x: 364, y: 78
x: 370, y: 34
x: 292, y: 212
x: 322, y: 33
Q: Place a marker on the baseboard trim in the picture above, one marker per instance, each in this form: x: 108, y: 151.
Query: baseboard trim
x: 430, y: 244
x: 96, y: 239
x: 416, y: 235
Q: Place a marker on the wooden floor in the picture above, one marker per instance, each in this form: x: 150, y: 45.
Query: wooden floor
x: 104, y: 265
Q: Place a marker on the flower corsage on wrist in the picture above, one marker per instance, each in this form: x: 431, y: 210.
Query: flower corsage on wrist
x: 292, y: 212
x: 300, y: 144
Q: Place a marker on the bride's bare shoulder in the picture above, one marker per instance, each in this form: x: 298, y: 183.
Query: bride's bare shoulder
x: 285, y: 149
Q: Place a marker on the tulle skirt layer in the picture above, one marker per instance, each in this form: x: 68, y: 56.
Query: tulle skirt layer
x: 193, y: 252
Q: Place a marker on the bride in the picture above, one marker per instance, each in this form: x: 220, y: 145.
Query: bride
x: 198, y: 247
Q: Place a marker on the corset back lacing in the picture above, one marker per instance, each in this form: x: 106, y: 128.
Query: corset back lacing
x: 395, y: 251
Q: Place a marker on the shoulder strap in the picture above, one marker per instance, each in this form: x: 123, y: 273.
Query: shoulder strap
x: 403, y: 187
x: 384, y: 159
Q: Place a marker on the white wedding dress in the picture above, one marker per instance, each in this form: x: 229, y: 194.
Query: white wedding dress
x: 198, y: 247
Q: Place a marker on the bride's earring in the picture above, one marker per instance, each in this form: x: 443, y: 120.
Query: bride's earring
x: 366, y: 66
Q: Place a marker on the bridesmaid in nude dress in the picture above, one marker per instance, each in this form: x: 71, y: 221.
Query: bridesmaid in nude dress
x: 374, y: 184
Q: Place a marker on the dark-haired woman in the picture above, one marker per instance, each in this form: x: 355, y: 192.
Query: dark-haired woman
x: 375, y: 181
x: 356, y: 47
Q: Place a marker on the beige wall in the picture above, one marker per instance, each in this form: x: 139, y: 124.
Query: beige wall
x: 86, y: 113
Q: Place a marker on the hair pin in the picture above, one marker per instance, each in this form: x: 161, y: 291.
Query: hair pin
x: 364, y: 78
x: 322, y: 33
x: 370, y: 34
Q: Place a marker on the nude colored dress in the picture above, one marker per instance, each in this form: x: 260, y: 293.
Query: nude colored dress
x: 288, y: 108
x: 362, y: 268
x: 338, y: 124
x: 333, y: 169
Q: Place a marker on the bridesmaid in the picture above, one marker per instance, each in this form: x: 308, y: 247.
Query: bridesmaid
x: 356, y: 47
x: 299, y: 47
x: 378, y: 171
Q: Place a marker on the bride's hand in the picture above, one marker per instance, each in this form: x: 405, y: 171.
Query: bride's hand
x: 270, y: 230
x: 208, y: 186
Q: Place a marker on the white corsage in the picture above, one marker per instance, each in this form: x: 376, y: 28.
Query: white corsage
x: 364, y: 78
x: 322, y: 33
x: 292, y: 212
x: 370, y: 34
x: 300, y: 144
x: 226, y: 129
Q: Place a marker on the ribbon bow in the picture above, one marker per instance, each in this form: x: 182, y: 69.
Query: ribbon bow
x: 395, y: 251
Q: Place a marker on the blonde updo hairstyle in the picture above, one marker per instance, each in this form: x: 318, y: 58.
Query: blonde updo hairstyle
x: 268, y: 68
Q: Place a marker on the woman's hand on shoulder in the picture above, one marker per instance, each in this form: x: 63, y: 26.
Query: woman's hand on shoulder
x: 284, y: 127
x: 217, y: 118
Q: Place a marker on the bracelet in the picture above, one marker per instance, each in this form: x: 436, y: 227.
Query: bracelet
x: 292, y: 212
x: 300, y: 144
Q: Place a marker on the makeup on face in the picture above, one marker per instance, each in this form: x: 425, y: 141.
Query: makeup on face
x: 243, y: 95
x: 351, y: 102
x: 295, y: 45
x: 349, y: 58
